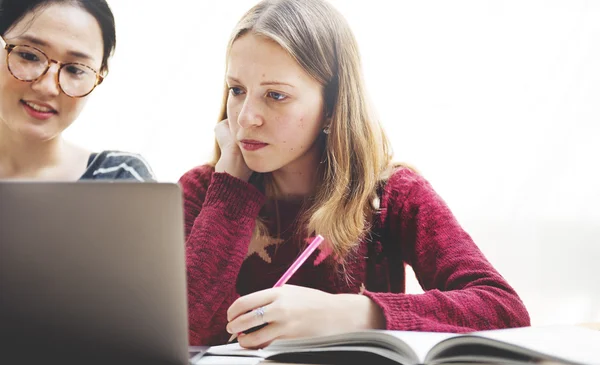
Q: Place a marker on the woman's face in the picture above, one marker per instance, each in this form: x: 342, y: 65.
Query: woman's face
x: 38, y: 110
x: 275, y: 108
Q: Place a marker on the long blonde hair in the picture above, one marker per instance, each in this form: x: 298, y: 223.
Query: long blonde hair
x: 356, y: 152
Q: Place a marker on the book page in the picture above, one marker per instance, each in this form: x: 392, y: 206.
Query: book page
x: 225, y: 360
x: 567, y: 343
x: 411, y: 345
x: 234, y: 349
x: 571, y: 343
x: 421, y: 342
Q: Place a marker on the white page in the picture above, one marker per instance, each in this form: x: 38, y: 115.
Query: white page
x: 234, y: 349
x: 571, y: 343
x: 421, y: 342
x: 226, y: 360
x: 416, y: 343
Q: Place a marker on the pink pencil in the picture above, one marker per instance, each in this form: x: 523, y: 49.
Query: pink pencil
x: 292, y: 269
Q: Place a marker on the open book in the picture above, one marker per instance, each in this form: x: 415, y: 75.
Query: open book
x: 555, y: 344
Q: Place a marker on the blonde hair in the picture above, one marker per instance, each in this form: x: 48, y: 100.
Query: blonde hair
x: 356, y: 153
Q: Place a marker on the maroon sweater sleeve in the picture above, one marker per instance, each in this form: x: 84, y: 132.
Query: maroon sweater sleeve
x: 220, y: 214
x: 462, y: 291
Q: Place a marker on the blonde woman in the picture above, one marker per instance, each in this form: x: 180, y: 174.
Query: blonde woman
x: 299, y: 153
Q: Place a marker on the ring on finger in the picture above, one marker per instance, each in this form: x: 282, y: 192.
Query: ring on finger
x: 259, y: 313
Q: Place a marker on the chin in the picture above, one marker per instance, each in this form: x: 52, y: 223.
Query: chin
x: 38, y: 134
x: 261, y: 167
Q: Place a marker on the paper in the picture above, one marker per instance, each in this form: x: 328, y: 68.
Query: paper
x: 234, y: 349
x: 225, y: 360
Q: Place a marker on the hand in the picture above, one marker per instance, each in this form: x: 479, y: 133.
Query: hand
x: 295, y: 311
x: 231, y: 160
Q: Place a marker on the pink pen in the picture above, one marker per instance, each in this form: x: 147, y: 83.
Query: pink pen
x: 292, y: 269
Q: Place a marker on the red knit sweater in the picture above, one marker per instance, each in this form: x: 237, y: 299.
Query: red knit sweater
x: 463, y: 292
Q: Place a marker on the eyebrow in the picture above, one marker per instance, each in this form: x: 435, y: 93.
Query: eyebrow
x: 264, y: 83
x: 38, y: 42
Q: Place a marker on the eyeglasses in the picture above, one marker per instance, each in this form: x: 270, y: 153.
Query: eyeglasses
x: 28, y: 64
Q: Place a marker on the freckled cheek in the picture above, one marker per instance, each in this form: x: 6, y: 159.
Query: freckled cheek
x: 233, y: 113
x: 233, y: 121
x: 295, y: 130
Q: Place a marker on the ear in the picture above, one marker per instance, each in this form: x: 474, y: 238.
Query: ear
x: 327, y: 126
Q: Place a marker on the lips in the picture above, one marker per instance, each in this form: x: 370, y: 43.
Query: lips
x: 251, y: 141
x: 38, y: 111
x: 252, y: 145
x: 39, y: 107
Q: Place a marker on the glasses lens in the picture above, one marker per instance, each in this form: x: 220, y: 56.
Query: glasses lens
x: 77, y: 80
x: 26, y: 63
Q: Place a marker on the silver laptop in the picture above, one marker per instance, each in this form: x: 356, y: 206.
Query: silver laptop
x: 92, y: 272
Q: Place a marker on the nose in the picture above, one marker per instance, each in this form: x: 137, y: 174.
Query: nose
x: 47, y: 84
x: 250, y: 115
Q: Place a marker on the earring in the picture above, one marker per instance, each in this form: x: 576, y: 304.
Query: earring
x: 326, y: 130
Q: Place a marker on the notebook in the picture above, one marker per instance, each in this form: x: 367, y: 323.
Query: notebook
x: 561, y: 344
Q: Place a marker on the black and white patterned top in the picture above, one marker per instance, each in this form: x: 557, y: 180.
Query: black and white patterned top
x: 117, y: 165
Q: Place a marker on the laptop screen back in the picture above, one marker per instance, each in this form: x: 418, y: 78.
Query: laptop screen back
x: 92, y: 273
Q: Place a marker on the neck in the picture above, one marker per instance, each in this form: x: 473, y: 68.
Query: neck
x: 298, y: 179
x: 21, y: 158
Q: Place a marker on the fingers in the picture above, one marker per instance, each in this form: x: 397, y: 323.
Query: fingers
x: 250, y: 302
x: 252, y: 319
x: 222, y: 131
x: 262, y: 337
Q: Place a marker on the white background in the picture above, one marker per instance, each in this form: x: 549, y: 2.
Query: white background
x: 495, y: 102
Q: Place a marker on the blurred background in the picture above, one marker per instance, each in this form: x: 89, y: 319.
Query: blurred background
x: 495, y: 102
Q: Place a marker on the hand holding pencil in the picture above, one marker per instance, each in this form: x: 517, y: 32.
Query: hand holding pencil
x: 260, y: 311
x: 289, y: 311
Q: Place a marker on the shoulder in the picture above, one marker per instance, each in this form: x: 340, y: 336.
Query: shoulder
x: 118, y: 165
x: 406, y: 185
x: 198, y: 177
x: 402, y: 180
x: 407, y: 198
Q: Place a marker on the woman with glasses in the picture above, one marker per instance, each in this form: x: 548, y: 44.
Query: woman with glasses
x: 53, y: 54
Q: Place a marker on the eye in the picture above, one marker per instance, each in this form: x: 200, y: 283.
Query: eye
x: 28, y: 56
x: 75, y: 70
x: 235, y: 91
x: 276, y: 96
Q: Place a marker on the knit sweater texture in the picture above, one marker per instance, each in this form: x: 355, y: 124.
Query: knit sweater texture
x: 414, y: 226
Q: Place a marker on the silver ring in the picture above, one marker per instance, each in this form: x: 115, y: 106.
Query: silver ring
x: 259, y: 313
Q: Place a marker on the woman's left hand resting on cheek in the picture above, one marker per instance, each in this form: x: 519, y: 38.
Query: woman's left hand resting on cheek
x: 295, y: 311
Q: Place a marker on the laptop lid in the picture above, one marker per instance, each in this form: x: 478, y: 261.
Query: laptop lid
x: 92, y: 272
